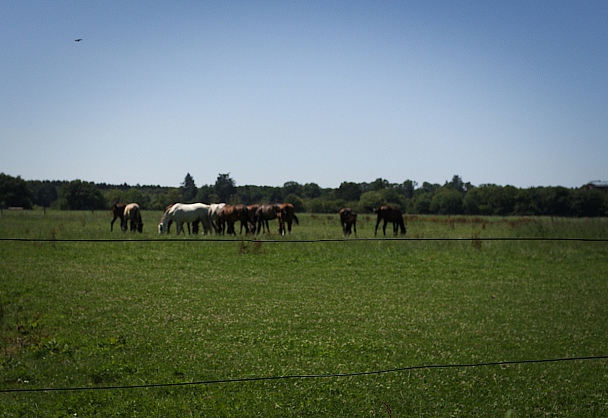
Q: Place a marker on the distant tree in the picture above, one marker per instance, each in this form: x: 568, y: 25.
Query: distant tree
x: 349, y: 191
x: 81, y: 195
x: 14, y: 191
x: 428, y: 188
x: 446, y: 201
x: 458, y: 185
x: 44, y: 193
x: 372, y: 199
x: 420, y: 203
x: 311, y: 190
x: 379, y: 184
x: 224, y: 187
x: 296, y: 201
x: 589, y: 203
x: 188, y: 189
x: 291, y: 187
x: 206, y: 194
x: 407, y: 188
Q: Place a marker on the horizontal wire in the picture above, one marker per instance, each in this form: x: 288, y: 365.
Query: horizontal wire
x: 255, y: 240
x: 307, y: 376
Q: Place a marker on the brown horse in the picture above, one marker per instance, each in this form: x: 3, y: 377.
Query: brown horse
x: 230, y: 214
x: 348, y: 220
x: 390, y: 214
x: 133, y: 214
x: 264, y: 214
x: 286, y: 215
x: 251, y: 210
x: 118, y: 211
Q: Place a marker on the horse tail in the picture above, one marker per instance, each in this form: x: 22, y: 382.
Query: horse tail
x: 295, y: 218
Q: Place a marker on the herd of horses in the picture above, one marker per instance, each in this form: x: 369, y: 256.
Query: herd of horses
x: 220, y: 218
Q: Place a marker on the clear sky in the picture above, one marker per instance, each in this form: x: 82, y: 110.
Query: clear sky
x: 504, y: 92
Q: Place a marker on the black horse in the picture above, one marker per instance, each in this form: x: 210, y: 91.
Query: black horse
x: 348, y: 220
x: 390, y: 214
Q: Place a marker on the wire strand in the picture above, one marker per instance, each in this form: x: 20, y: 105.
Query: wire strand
x: 307, y: 376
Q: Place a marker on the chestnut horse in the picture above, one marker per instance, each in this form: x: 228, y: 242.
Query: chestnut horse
x: 233, y: 213
x: 348, y: 220
x: 390, y: 214
x: 264, y: 214
x: 118, y: 211
x: 286, y: 215
x: 133, y: 214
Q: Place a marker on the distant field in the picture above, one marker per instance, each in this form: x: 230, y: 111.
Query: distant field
x: 90, y: 315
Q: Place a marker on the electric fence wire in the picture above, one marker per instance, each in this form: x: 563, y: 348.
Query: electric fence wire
x: 306, y: 376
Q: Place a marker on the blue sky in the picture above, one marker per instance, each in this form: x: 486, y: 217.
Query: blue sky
x: 510, y: 93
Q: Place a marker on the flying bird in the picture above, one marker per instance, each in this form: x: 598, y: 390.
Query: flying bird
x: 78, y: 40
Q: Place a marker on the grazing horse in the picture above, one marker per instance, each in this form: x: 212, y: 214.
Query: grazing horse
x: 251, y: 210
x: 389, y: 214
x: 348, y: 220
x: 182, y: 212
x: 214, y: 213
x: 286, y: 215
x: 133, y: 214
x: 233, y: 213
x: 264, y: 214
x: 118, y: 211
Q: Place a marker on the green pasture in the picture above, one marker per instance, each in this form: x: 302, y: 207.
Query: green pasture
x: 161, y: 313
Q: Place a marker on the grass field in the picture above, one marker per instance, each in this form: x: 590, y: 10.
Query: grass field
x: 145, y: 310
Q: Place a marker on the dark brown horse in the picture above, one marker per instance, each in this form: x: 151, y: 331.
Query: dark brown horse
x: 118, y: 211
x: 266, y: 213
x: 390, y: 214
x: 348, y: 220
x: 286, y: 215
x: 251, y: 210
x: 230, y: 214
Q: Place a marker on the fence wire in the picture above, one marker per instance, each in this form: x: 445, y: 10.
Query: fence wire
x: 254, y: 240
x: 307, y: 376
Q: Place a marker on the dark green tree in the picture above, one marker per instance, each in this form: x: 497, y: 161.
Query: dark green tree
x: 82, y: 195
x: 349, y: 191
x: 311, y: 190
x: 188, y: 189
x: 407, y: 188
x: 446, y: 201
x: 44, y: 193
x: 379, y: 184
x: 291, y: 187
x: 14, y: 191
x: 224, y: 187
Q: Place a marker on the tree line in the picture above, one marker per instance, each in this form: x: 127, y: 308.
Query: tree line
x: 454, y: 197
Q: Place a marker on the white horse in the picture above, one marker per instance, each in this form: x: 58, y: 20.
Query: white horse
x: 185, y: 212
x: 214, y: 212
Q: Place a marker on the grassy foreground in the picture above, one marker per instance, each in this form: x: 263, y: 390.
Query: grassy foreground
x: 129, y: 312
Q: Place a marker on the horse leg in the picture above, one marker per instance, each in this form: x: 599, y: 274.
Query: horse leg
x: 384, y: 227
x: 355, y: 227
x: 377, y: 224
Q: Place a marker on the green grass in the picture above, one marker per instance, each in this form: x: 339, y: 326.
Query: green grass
x: 91, y: 315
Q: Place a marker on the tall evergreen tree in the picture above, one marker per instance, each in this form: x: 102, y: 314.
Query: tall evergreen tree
x: 188, y: 189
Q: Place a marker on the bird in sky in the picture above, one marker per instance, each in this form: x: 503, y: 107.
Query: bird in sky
x: 78, y: 40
